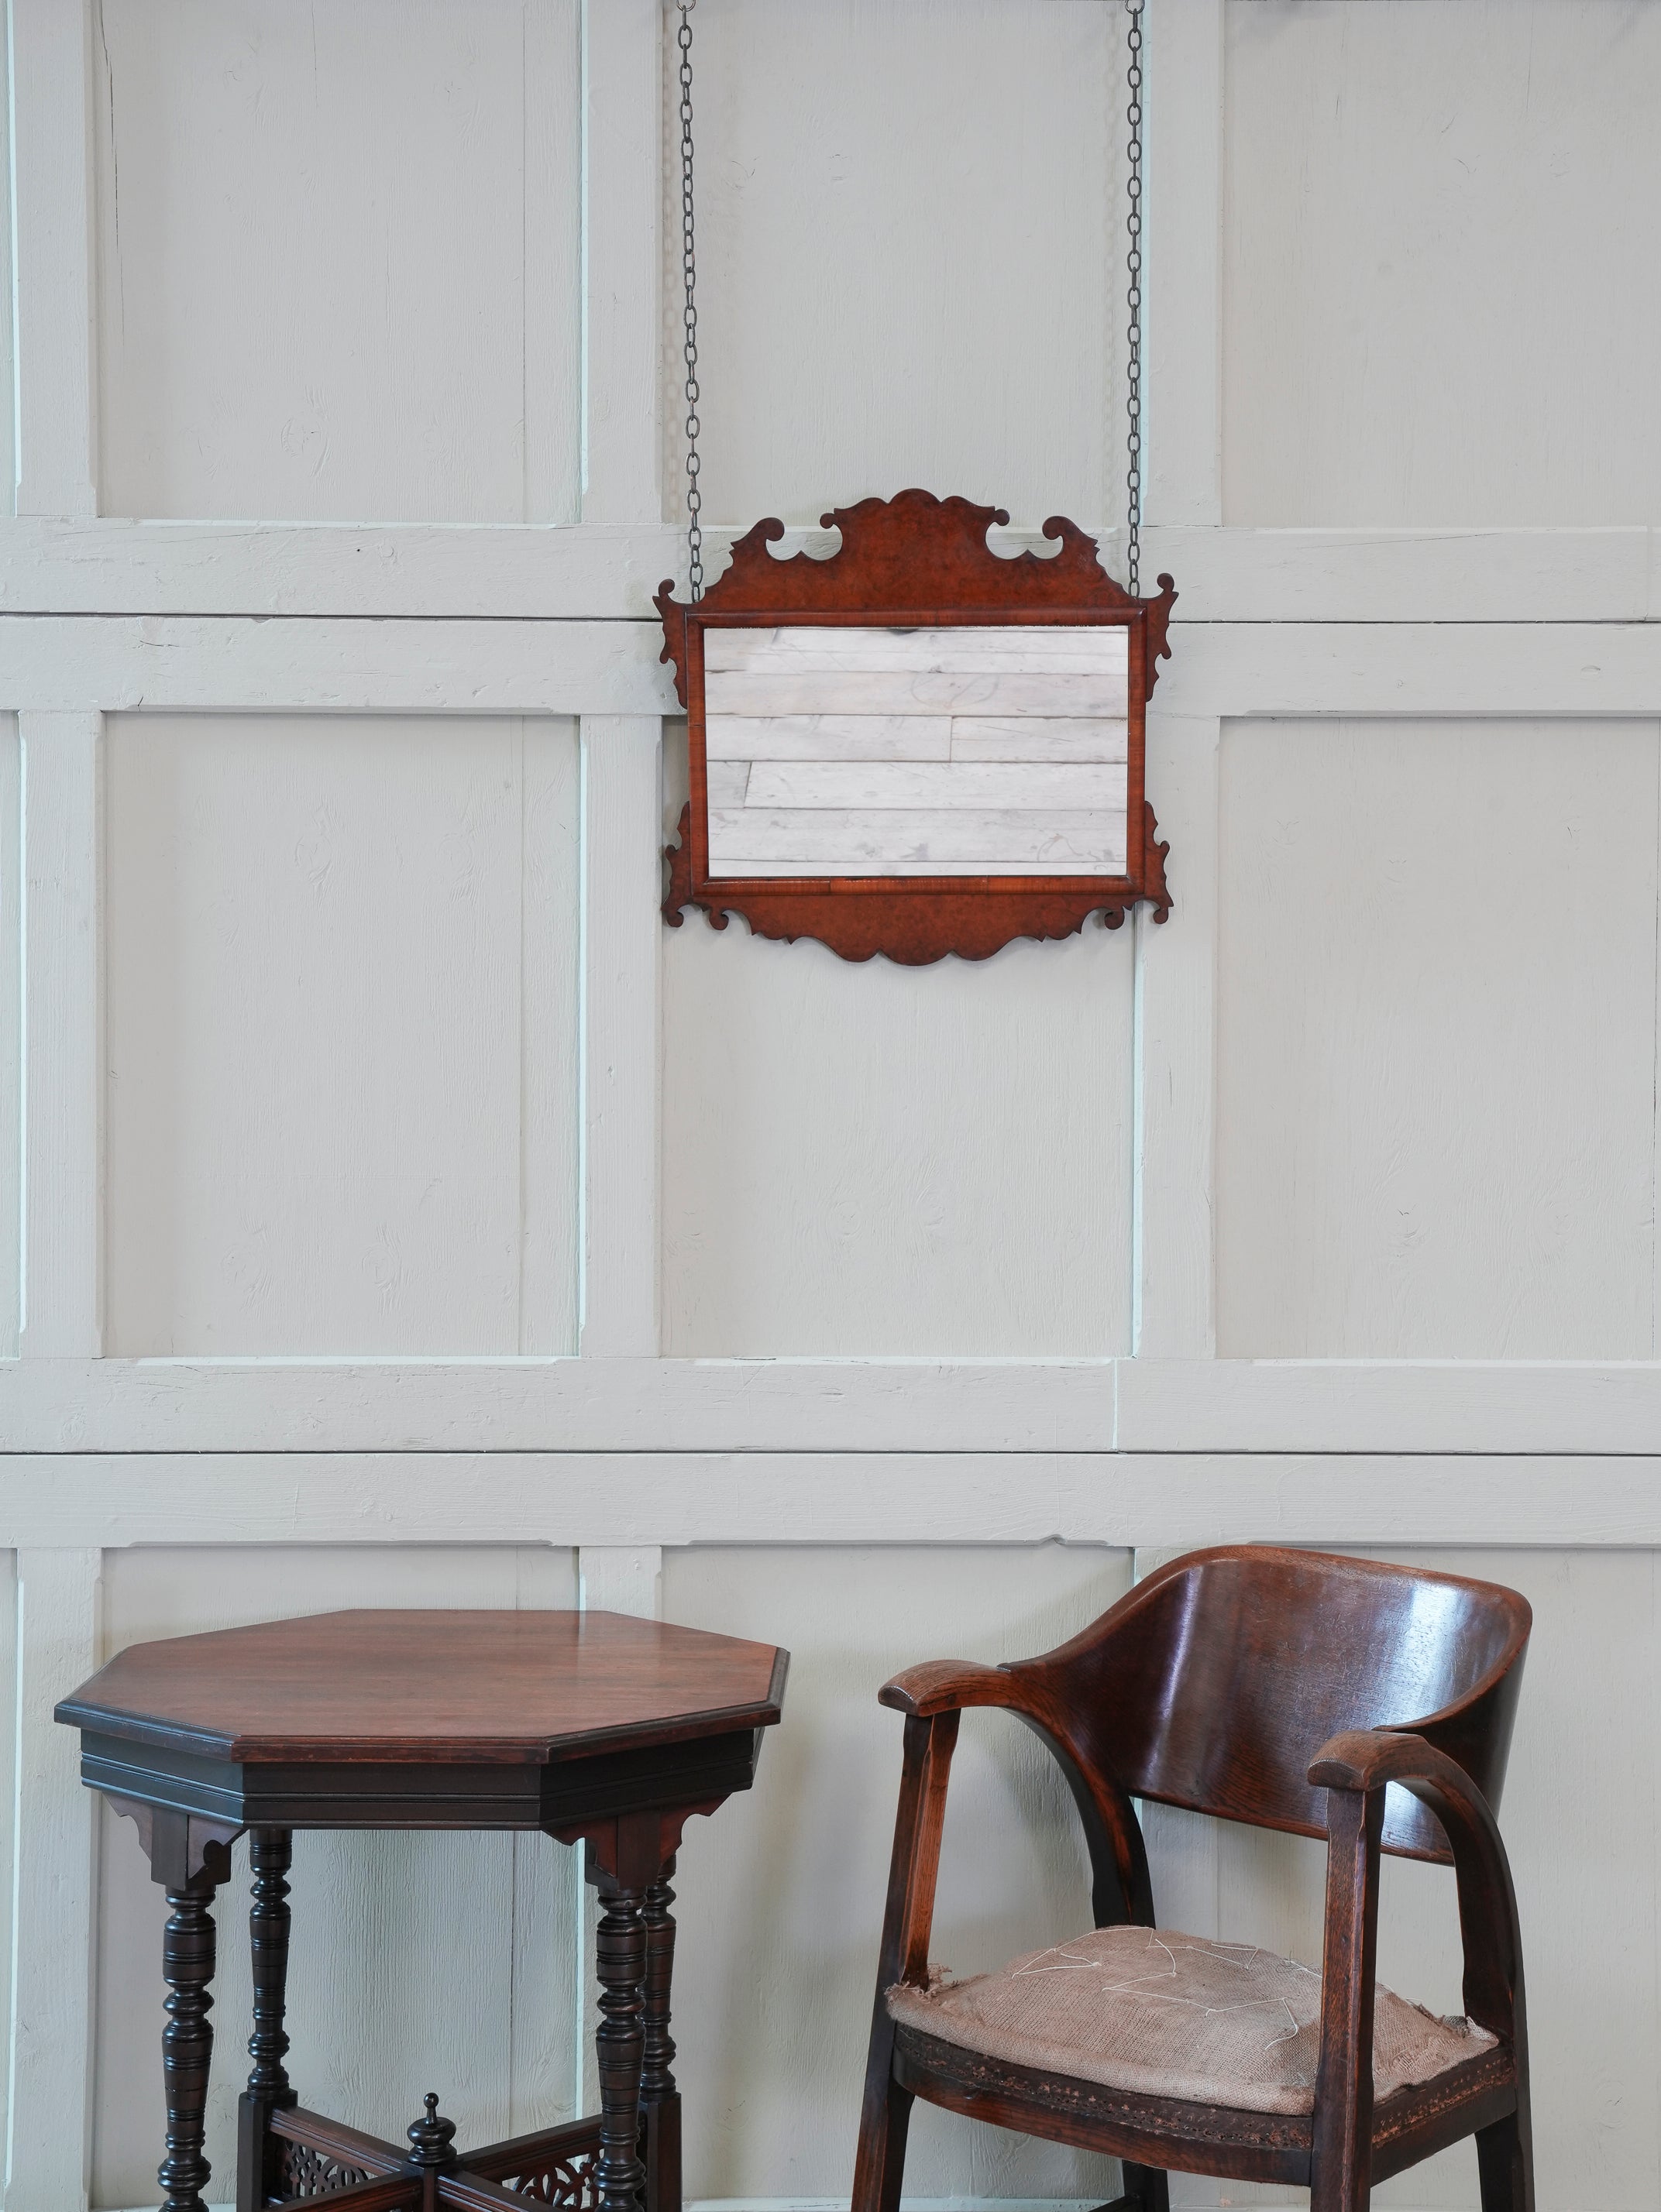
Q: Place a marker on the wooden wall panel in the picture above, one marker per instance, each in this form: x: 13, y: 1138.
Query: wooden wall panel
x: 1436, y: 1040
x: 782, y: 1893
x: 411, y: 1969
x: 7, y: 359
x: 890, y: 1160
x: 341, y: 1020
x: 337, y: 259
x: 1435, y: 216
x: 908, y: 256
x: 8, y: 1752
x: 11, y: 1030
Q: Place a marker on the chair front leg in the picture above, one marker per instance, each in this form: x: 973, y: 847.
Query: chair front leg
x: 885, y: 2115
x: 1341, y: 2175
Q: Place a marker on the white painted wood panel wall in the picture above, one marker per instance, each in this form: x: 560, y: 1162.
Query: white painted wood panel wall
x: 395, y: 1207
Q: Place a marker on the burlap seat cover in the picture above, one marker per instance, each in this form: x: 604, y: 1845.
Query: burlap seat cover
x: 1173, y: 2015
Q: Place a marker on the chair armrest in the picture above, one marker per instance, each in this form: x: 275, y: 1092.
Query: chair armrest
x: 1368, y: 1758
x: 1120, y: 1888
x: 1364, y: 1760
x: 945, y: 1685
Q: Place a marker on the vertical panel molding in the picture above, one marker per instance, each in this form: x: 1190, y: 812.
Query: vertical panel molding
x: 621, y: 158
x: 622, y: 826
x: 1183, y: 349
x: 62, y: 1199
x: 1173, y: 1292
x: 52, y: 234
x: 54, y: 1938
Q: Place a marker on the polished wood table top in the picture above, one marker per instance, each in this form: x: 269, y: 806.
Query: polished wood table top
x: 592, y: 1727
x: 495, y: 1687
x: 428, y: 1720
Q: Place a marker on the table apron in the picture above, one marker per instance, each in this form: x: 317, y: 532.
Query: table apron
x: 423, y: 1795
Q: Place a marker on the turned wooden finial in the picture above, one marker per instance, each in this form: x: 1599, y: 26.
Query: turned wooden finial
x: 430, y: 2138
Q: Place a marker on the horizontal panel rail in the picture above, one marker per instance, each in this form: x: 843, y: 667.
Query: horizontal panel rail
x: 808, y: 1407
x: 597, y: 571
x: 1132, y: 1500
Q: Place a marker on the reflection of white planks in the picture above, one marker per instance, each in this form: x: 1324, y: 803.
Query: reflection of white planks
x: 961, y: 751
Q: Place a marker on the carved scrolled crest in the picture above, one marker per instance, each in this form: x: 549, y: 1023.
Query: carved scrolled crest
x: 916, y: 563
x: 912, y: 554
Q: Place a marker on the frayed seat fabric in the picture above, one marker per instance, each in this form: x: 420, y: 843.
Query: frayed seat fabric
x: 1164, y: 2015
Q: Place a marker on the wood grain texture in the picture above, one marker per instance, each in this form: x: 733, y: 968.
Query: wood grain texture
x: 988, y: 363
x: 292, y: 1162
x: 913, y: 737
x: 1404, y: 1164
x: 875, y: 840
x: 922, y: 653
x: 1182, y: 1693
x: 922, y: 565
x: 389, y: 201
x: 1360, y: 215
x: 997, y: 787
x: 860, y: 816
x: 487, y: 1688
x: 372, y: 2005
x: 993, y: 691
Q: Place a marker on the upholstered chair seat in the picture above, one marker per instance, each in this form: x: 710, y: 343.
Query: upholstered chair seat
x: 1165, y: 2014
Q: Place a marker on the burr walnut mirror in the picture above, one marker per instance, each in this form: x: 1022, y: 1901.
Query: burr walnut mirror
x: 917, y: 745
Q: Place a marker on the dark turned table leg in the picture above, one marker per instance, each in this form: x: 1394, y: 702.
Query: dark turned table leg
x: 188, y: 1963
x: 659, y: 2095
x: 619, y: 2043
x: 270, y: 1853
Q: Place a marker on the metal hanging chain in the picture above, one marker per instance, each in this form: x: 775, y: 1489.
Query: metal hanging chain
x: 1133, y: 307
x: 690, y: 312
x: 1133, y: 304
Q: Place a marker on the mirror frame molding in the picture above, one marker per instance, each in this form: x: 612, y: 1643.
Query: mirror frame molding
x: 916, y: 562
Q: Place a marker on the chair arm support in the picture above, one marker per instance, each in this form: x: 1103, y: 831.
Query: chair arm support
x: 1120, y: 1885
x: 1363, y: 1761
x: 1366, y: 1759
x: 944, y: 1686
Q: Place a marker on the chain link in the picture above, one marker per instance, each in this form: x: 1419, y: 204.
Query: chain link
x: 690, y: 312
x: 1134, y: 305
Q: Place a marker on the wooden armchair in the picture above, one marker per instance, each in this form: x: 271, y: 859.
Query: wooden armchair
x: 1341, y: 1697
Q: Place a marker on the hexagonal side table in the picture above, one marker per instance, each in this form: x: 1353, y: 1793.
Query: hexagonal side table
x: 591, y: 1727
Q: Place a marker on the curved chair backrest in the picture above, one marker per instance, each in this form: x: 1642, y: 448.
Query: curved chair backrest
x: 1213, y: 1683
